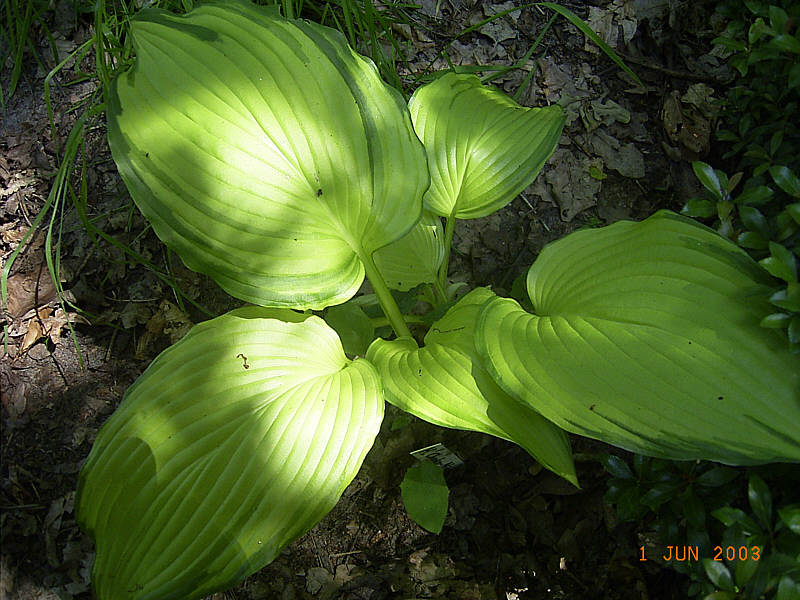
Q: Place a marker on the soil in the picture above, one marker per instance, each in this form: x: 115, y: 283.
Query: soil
x: 513, y: 530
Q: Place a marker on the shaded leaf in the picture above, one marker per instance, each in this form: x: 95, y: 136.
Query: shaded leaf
x: 425, y: 495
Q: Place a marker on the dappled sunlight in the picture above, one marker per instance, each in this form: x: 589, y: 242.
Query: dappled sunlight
x: 234, y: 442
x: 265, y: 152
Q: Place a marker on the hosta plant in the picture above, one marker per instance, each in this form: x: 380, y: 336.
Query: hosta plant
x: 271, y: 157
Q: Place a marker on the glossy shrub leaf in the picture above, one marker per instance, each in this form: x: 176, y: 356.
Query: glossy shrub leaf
x: 415, y: 258
x: 717, y: 477
x: 617, y: 467
x: 788, y: 589
x: 483, y: 148
x: 790, y: 515
x: 264, y: 151
x: 426, y: 495
x: 781, y: 263
x: 786, y: 180
x: 719, y: 574
x: 708, y: 177
x: 731, y: 516
x: 445, y: 383
x: 638, y: 325
x: 760, y: 500
x: 754, y: 196
x: 235, y: 441
x: 700, y: 208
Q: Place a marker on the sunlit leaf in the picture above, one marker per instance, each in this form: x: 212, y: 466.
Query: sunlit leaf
x: 445, y: 383
x: 264, y: 151
x: 235, y: 441
x: 414, y: 258
x: 483, y: 148
x: 646, y: 335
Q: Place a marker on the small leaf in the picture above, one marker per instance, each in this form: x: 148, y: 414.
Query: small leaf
x: 788, y: 589
x: 794, y: 211
x: 754, y: 220
x: 786, y: 43
x: 755, y: 196
x: 616, y: 466
x: 790, y: 515
x: 781, y: 263
x: 777, y: 18
x: 708, y: 177
x: 731, y: 516
x: 719, y: 574
x: 775, y: 142
x: 787, y: 298
x: 794, y: 76
x: 700, y: 208
x: 786, y: 180
x: 794, y: 330
x: 776, y: 321
x: 425, y: 495
x: 717, y: 476
x: 753, y: 240
x: 660, y: 493
x: 745, y: 569
x: 719, y: 596
x: 483, y: 148
x: 693, y: 509
x: 760, y: 501
x: 729, y: 43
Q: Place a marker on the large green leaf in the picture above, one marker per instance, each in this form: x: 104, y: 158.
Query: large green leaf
x: 445, y: 383
x: 646, y: 336
x: 264, y: 151
x: 483, y: 148
x: 415, y: 258
x: 235, y: 441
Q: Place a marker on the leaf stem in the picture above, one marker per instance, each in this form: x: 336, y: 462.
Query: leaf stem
x: 385, y: 298
x: 450, y: 226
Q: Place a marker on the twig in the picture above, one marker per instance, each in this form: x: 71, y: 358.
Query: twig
x: 672, y: 72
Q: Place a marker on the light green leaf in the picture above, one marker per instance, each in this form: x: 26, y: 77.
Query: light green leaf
x: 264, y: 151
x: 483, y: 148
x: 425, y: 495
x: 646, y: 336
x: 415, y: 258
x: 445, y: 383
x: 235, y: 441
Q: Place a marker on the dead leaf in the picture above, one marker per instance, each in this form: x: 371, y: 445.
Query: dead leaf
x: 27, y: 291
x: 32, y: 335
x: 573, y: 188
x: 626, y: 160
x: 15, y: 402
